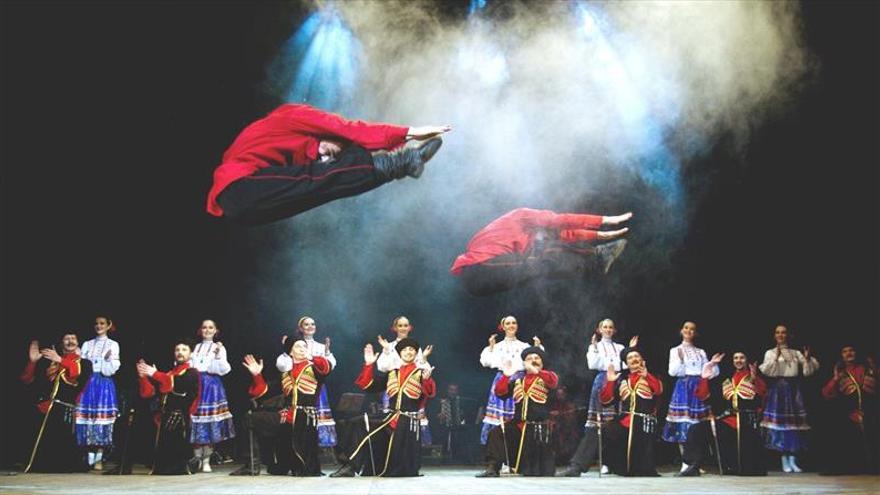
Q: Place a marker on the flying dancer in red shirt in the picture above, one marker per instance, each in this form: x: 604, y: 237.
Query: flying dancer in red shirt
x: 526, y: 244
x: 298, y: 157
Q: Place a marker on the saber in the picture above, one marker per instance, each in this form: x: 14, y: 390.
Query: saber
x: 599, y: 426
x: 127, y: 439
x: 717, y: 447
x: 370, y: 443
x: 251, y: 439
x: 504, y: 439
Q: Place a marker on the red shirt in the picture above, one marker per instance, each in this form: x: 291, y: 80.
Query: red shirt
x: 289, y: 135
x: 515, y: 230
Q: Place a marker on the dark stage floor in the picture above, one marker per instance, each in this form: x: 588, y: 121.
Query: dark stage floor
x: 457, y: 480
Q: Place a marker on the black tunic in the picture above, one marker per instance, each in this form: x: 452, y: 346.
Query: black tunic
x: 56, y: 387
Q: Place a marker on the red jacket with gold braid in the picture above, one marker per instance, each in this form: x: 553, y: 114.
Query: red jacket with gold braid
x: 71, y: 376
x: 179, y: 387
x: 407, y: 389
x: 643, y: 388
x: 856, y: 387
x: 301, y: 385
x: 745, y: 394
x: 530, y: 392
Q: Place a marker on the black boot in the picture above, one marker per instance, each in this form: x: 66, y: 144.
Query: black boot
x: 346, y: 471
x: 407, y: 161
x: 492, y: 471
x: 607, y: 253
x: 570, y: 472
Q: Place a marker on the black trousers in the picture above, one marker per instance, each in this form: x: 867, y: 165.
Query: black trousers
x: 297, y: 448
x: 852, y: 449
x: 508, y: 271
x: 173, y: 450
x: 531, y: 451
x: 278, y: 192
x: 614, y: 450
x: 57, y: 451
x: 747, y: 462
x: 394, y: 452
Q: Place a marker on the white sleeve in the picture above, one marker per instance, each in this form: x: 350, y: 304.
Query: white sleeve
x: 715, y: 370
x: 488, y: 358
x: 330, y: 359
x: 810, y: 366
x: 594, y: 359
x: 770, y: 366
x: 284, y: 363
x: 109, y: 367
x: 219, y: 364
x: 676, y: 366
x: 387, y: 361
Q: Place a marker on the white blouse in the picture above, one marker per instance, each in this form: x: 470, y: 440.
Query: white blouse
x: 692, y: 364
x: 604, y: 353
x: 390, y: 359
x: 204, y: 359
x: 284, y: 362
x: 95, y: 351
x: 506, y: 351
x: 785, y: 363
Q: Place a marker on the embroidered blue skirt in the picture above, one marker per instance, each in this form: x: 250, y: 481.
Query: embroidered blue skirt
x: 326, y: 424
x: 212, y: 421
x: 685, y: 409
x: 594, y: 405
x: 785, y: 417
x: 96, y: 412
x: 497, y: 410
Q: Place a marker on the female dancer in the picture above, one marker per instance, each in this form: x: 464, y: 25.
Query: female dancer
x: 211, y: 422
x: 686, y: 363
x: 97, y: 409
x: 785, y: 418
x: 602, y: 353
x: 498, y: 356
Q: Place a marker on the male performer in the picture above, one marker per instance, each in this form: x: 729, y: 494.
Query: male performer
x: 852, y: 392
x: 298, y: 157
x: 525, y: 244
x: 296, y: 448
x: 393, y: 448
x: 736, y: 429
x: 524, y: 441
x: 630, y: 440
x: 179, y: 391
x: 56, y: 385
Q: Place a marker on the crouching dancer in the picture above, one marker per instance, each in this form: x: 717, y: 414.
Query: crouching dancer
x: 524, y: 442
x: 393, y: 448
x: 630, y: 440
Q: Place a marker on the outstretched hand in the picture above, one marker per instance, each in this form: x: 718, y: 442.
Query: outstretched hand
x: 634, y: 341
x: 145, y: 369
x: 34, y: 351
x: 536, y: 341
x: 427, y: 351
x: 370, y: 356
x: 51, y: 354
x: 427, y: 132
x: 611, y: 374
x: 252, y: 365
x: 383, y: 342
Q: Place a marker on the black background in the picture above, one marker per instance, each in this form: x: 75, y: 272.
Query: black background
x: 115, y: 115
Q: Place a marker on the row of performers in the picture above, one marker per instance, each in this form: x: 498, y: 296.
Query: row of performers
x: 194, y: 413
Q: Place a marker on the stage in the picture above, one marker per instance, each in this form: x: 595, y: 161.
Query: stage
x: 436, y: 480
